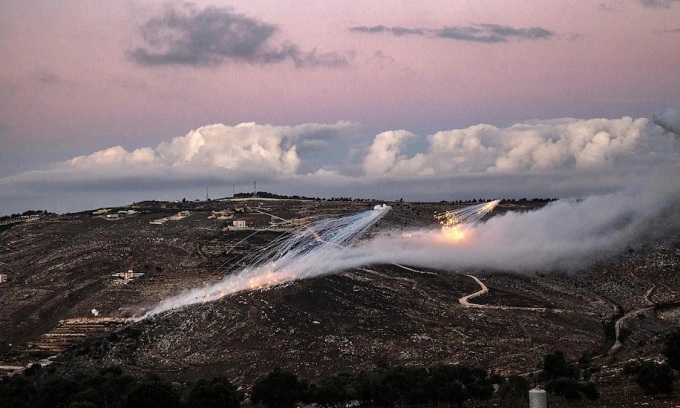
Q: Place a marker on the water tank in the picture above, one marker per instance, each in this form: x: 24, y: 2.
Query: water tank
x: 537, y: 398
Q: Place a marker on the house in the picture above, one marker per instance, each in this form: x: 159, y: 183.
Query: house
x: 125, y: 277
x: 239, y: 224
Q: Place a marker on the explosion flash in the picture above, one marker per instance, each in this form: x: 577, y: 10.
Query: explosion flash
x: 455, y: 224
x: 311, y: 252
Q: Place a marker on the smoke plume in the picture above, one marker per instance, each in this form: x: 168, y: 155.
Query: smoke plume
x: 566, y: 235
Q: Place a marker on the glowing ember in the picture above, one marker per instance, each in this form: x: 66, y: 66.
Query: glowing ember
x: 454, y: 233
x: 455, y: 224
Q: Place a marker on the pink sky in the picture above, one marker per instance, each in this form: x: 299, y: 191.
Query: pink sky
x: 69, y: 87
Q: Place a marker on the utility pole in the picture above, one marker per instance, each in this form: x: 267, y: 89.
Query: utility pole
x: 206, y: 194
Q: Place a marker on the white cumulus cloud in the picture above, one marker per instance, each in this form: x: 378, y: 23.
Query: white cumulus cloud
x: 384, y: 152
x: 549, y: 158
x: 247, y: 147
x: 669, y: 119
x: 562, y: 144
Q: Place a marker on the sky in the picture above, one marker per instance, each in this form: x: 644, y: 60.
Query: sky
x: 107, y: 103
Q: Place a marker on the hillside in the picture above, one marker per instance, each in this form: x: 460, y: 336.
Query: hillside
x: 60, y: 274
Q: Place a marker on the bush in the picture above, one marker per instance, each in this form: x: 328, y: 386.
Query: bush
x: 81, y: 404
x: 572, y: 390
x: 153, y: 393
x: 278, y: 389
x: 216, y: 393
x: 555, y: 366
x: 514, y: 388
x: 655, y: 378
x: 564, y: 387
x: 334, y: 391
x: 672, y: 350
x: 589, y: 390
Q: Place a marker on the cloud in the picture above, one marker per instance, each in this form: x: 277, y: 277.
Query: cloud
x: 658, y: 3
x: 492, y: 33
x: 397, y: 31
x: 566, y: 144
x: 247, y: 148
x: 669, y: 119
x: 483, y: 33
x: 383, y: 153
x: 46, y: 78
x: 549, y: 158
x: 186, y: 35
x: 608, y: 7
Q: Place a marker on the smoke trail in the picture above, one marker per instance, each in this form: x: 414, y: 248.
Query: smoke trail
x: 566, y: 235
x: 456, y: 223
x: 313, y: 251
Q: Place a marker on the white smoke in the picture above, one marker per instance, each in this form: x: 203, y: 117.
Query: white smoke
x: 566, y: 235
x: 311, y: 252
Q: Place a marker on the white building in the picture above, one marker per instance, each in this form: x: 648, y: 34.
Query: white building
x: 125, y: 277
x: 3, y: 278
x: 239, y: 224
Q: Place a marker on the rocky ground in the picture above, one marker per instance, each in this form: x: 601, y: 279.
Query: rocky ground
x: 61, y: 267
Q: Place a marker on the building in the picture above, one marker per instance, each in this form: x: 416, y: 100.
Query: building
x: 3, y: 278
x: 237, y: 225
x: 125, y: 277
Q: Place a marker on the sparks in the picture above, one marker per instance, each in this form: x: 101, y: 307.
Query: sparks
x: 312, y: 251
x: 456, y: 225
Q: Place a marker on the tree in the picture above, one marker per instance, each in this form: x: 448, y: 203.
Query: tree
x: 564, y: 387
x: 334, y: 391
x: 589, y: 390
x: 403, y: 384
x: 216, y: 393
x: 453, y: 392
x: 106, y: 387
x: 555, y: 366
x: 481, y: 389
x: 81, y: 404
x: 672, y: 349
x: 443, y: 384
x: 54, y: 391
x: 153, y: 393
x: 278, y: 389
x: 514, y: 388
x: 14, y: 392
x: 655, y: 378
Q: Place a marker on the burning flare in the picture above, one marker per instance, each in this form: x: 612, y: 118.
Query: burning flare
x: 313, y: 251
x: 456, y: 224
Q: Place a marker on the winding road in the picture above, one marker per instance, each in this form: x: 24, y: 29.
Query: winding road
x: 465, y: 300
x: 632, y: 313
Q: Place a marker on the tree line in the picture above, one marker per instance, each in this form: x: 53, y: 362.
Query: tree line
x: 397, y: 386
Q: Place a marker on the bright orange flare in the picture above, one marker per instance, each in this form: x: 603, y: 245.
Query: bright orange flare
x: 454, y: 234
